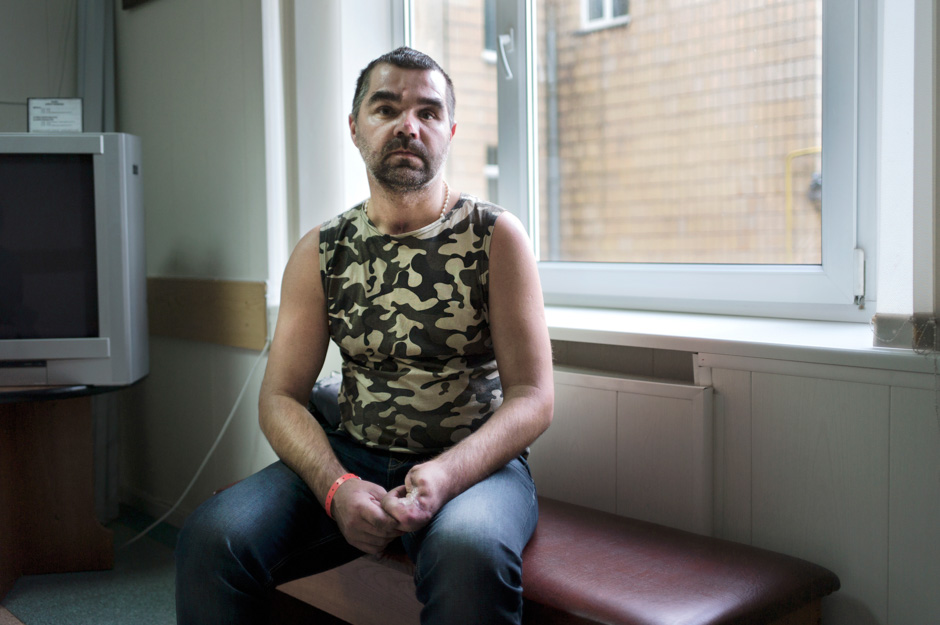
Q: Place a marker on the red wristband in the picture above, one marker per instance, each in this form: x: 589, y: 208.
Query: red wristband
x: 329, y: 496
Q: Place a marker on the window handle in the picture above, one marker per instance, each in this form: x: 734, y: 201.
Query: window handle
x: 506, y: 45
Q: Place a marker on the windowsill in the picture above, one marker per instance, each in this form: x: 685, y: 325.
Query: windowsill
x: 820, y: 342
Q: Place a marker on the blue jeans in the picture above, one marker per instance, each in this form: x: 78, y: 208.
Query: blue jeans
x: 269, y: 529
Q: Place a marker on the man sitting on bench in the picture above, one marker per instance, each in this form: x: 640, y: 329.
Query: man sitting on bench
x: 434, y: 301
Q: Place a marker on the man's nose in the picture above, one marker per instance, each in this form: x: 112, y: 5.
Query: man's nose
x: 407, y: 125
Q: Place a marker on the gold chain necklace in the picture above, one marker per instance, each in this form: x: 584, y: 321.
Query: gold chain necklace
x: 365, y: 205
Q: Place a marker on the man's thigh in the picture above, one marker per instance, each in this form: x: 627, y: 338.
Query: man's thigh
x: 500, y: 510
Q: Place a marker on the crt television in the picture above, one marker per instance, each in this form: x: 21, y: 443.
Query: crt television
x: 73, y: 301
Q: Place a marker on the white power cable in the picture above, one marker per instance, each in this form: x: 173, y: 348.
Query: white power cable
x: 205, y: 460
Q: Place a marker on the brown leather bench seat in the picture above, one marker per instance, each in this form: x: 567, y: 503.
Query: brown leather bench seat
x: 585, y: 566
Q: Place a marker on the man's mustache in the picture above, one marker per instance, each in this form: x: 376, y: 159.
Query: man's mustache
x: 407, y: 144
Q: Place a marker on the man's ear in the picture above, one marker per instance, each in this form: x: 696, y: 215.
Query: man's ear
x: 453, y: 129
x: 352, y: 129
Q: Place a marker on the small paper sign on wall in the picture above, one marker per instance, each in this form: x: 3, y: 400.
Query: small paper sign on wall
x: 54, y: 114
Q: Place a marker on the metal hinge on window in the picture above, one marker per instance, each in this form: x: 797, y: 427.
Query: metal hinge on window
x: 859, y: 277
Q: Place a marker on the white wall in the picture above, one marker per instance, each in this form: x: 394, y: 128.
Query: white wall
x: 37, y: 56
x: 190, y: 84
x: 924, y: 207
x: 907, y: 223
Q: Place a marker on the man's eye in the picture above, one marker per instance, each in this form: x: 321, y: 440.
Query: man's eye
x: 429, y: 115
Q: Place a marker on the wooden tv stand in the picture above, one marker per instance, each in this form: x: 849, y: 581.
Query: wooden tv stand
x: 47, y: 500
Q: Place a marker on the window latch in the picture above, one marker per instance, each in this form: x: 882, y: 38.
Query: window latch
x: 506, y: 45
x: 859, y: 277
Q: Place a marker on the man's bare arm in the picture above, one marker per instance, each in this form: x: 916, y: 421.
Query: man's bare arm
x: 297, y: 354
x: 523, y: 355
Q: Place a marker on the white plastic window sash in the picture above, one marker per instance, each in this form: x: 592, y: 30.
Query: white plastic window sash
x: 826, y: 291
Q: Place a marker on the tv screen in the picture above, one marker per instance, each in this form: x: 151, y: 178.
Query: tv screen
x: 48, y: 267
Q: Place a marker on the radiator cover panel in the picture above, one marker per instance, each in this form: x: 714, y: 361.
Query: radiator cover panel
x: 637, y: 447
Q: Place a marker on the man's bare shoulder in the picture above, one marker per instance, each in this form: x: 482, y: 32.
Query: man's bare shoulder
x: 322, y: 238
x: 510, y: 236
x: 308, y: 248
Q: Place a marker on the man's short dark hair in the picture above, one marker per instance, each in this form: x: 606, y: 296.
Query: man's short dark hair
x: 404, y: 58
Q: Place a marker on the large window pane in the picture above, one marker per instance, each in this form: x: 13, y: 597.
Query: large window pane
x: 690, y: 136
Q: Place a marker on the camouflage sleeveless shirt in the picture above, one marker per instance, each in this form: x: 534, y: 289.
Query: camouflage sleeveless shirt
x: 410, y: 315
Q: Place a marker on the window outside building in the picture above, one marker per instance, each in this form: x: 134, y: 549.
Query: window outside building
x: 600, y: 13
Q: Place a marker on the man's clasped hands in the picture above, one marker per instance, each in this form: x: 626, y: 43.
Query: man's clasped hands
x: 371, y: 517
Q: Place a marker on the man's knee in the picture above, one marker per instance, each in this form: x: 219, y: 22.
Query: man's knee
x: 470, y: 555
x: 219, y: 572
x: 204, y: 530
x: 215, y: 533
x: 487, y: 572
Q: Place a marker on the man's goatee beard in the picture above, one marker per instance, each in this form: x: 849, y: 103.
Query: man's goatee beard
x: 405, y: 176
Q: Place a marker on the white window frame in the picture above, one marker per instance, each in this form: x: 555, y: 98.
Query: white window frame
x: 489, y: 54
x: 838, y: 289
x: 605, y: 21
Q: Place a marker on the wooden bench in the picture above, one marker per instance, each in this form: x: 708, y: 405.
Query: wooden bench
x: 584, y: 566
